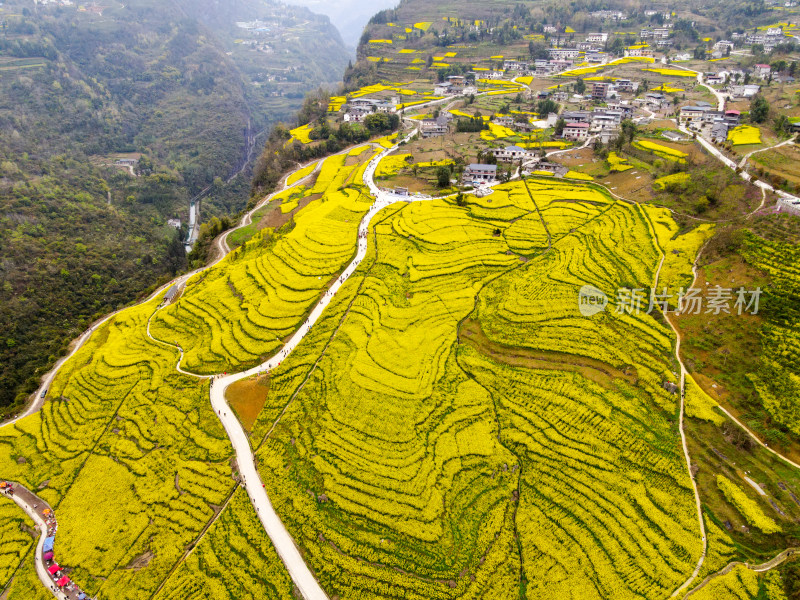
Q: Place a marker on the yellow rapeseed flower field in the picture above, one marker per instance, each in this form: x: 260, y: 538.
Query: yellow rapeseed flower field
x: 748, y: 507
x: 239, y: 311
x: 404, y: 425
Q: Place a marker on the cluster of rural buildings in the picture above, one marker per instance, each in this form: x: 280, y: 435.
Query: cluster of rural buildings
x: 478, y: 174
x: 768, y: 38
x: 359, y: 108
x: 701, y: 116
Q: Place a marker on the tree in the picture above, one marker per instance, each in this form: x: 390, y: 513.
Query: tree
x: 443, y: 177
x: 628, y: 130
x: 617, y: 46
x: 783, y: 126
x: 545, y: 107
x: 559, y: 128
x: 759, y: 109
x: 580, y: 86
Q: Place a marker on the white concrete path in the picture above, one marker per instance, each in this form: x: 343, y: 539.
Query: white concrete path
x: 301, y: 575
x: 41, y: 569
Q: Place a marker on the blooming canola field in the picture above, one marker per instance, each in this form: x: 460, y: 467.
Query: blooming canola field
x: 130, y: 456
x: 238, y: 312
x: 458, y: 429
x: 451, y: 427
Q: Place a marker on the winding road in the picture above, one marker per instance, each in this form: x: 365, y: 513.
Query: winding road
x: 301, y: 575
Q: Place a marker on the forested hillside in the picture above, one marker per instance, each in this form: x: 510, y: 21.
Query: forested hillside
x: 112, y: 117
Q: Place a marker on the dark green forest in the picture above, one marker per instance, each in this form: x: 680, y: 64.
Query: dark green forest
x: 166, y: 82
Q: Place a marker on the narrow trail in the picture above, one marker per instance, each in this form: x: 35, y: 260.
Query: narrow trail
x: 681, y: 429
x: 764, y: 187
x: 770, y: 564
x: 745, y: 158
x: 684, y: 443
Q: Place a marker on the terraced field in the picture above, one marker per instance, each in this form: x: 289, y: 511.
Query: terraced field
x: 456, y: 429
x: 743, y: 584
x: 777, y: 382
x: 15, y: 531
x: 605, y: 504
x: 451, y: 427
x: 234, y: 560
x: 236, y: 314
x: 394, y: 442
x: 128, y: 453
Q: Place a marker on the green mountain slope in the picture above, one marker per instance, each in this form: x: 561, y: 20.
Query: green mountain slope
x: 179, y: 86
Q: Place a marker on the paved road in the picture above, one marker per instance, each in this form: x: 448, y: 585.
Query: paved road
x: 34, y: 507
x: 284, y: 544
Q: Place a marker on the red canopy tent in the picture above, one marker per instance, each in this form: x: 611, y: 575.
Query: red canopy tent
x: 54, y: 569
x: 48, y: 556
x: 63, y: 581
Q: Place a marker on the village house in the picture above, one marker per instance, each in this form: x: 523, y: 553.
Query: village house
x: 623, y: 106
x: 443, y: 89
x: 512, y: 154
x: 524, y: 126
x: 691, y: 114
x: 575, y: 131
x: 744, y: 91
x: 626, y: 85
x: 457, y: 82
x: 605, y: 120
x: 479, y: 173
x: 560, y: 96
x: 655, y: 100
x: 515, y: 65
x: 561, y: 53
x: 673, y: 136
x: 434, y: 127
x: 614, y: 15
x: 600, y: 90
x: 356, y: 114
x: 597, y: 38
x: 367, y: 103
x: 639, y: 52
x: 724, y: 46
x: 554, y: 168
x: 719, y: 132
x: 762, y: 71
x: 576, y: 116
x: 386, y: 107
